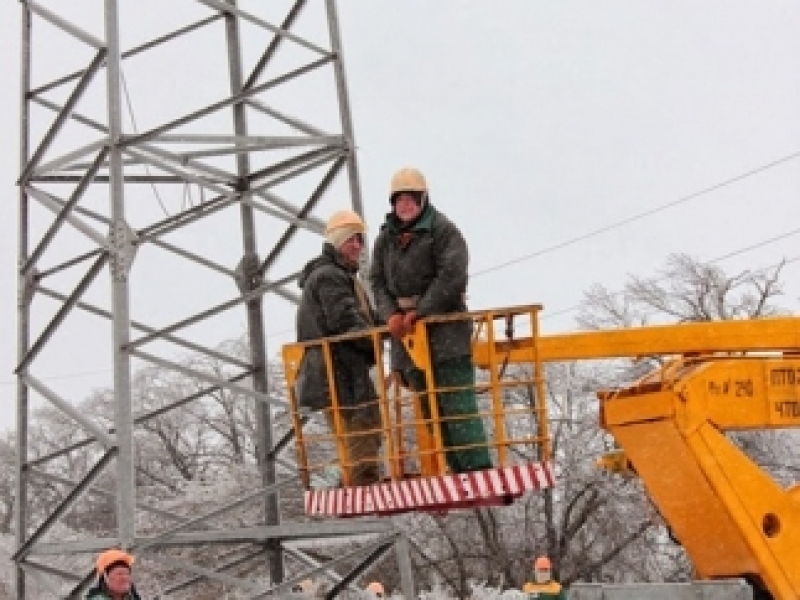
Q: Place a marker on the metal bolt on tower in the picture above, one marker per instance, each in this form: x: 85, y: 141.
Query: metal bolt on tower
x: 174, y: 160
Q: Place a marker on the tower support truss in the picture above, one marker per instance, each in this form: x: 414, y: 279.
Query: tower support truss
x: 171, y: 179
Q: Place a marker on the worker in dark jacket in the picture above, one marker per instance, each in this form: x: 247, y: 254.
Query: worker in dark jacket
x: 419, y: 269
x: 334, y: 302
x: 113, y: 577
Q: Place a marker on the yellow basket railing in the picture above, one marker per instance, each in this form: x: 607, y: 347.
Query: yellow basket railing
x: 511, y: 402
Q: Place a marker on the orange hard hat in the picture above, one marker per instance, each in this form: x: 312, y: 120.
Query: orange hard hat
x: 345, y: 218
x: 110, y: 557
x: 376, y: 588
x: 542, y: 563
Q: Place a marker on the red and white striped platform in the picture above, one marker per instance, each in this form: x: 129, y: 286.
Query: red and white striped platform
x: 491, y: 487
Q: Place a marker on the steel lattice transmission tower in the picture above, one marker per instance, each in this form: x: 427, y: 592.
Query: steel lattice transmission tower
x: 207, y: 147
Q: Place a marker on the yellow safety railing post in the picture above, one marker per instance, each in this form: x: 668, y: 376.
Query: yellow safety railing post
x: 426, y: 445
x: 291, y: 366
x: 430, y: 395
x: 539, y: 386
x: 432, y: 400
x: 495, y: 393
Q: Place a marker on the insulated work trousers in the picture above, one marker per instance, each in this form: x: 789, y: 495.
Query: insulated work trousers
x: 456, y: 373
x: 362, y: 442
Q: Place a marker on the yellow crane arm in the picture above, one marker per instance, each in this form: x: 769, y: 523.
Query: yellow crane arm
x: 732, y: 518
x: 776, y: 334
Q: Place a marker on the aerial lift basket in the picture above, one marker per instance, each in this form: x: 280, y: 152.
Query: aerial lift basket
x: 413, y: 462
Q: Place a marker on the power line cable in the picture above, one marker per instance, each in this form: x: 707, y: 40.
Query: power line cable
x: 63, y: 376
x: 550, y: 314
x: 756, y: 245
x: 129, y: 104
x: 638, y: 217
x: 787, y: 261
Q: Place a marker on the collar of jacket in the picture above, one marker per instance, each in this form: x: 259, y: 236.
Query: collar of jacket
x: 423, y: 223
x: 100, y: 592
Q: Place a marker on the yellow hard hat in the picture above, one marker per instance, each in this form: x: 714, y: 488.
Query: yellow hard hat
x: 111, y: 557
x: 345, y: 218
x: 542, y: 563
x: 408, y: 179
x: 376, y: 588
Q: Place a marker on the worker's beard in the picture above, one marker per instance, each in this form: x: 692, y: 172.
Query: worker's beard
x: 542, y: 576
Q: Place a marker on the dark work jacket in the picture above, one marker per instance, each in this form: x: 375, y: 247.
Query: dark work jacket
x: 431, y: 265
x: 329, y: 307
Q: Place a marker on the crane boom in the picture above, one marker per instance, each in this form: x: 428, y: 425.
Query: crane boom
x: 774, y: 334
x: 731, y: 516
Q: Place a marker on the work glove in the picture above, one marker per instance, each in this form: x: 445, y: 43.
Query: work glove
x: 396, y: 326
x: 410, y: 321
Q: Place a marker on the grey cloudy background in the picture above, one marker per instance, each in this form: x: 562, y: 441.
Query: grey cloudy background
x: 569, y: 140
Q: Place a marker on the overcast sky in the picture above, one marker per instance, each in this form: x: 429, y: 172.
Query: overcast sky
x: 572, y: 139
